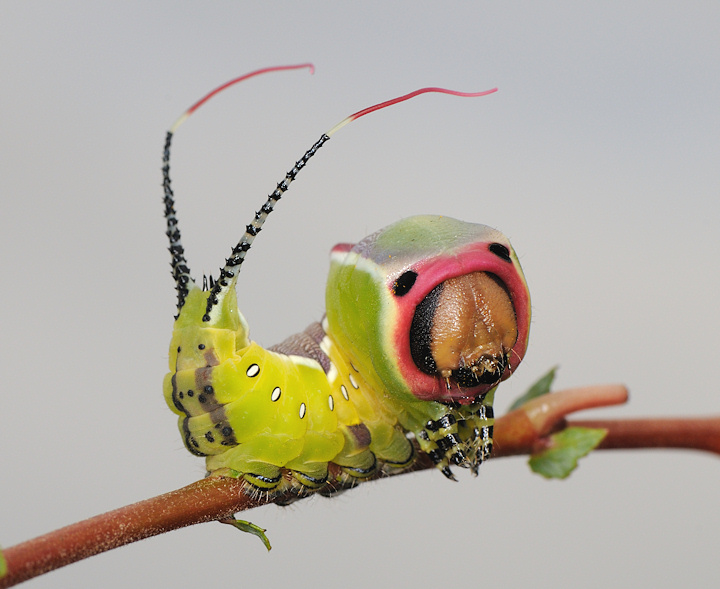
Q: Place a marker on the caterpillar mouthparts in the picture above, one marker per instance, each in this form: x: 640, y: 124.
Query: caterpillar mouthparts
x: 463, y: 330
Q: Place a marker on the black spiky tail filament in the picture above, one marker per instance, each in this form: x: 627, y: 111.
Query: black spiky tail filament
x: 180, y: 269
x: 229, y: 272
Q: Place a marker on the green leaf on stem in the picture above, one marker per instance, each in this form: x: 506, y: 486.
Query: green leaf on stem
x: 540, y: 387
x: 3, y: 565
x: 566, y: 448
x: 251, y: 528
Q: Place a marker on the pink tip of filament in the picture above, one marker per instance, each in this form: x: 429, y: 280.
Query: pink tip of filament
x: 234, y: 81
x: 368, y: 110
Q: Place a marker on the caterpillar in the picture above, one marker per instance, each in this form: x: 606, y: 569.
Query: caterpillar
x: 423, y: 319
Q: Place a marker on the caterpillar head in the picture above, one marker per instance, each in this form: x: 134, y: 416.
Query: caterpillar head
x: 437, y: 308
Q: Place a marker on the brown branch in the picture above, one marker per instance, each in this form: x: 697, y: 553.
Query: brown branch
x: 690, y: 433
x: 206, y: 500
x: 520, y: 431
x: 217, y: 498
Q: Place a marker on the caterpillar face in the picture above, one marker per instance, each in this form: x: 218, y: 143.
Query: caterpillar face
x: 463, y: 330
x: 446, y: 307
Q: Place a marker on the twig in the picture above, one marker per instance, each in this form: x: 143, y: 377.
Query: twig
x: 690, y: 433
x: 520, y: 431
x: 206, y: 500
x: 217, y: 498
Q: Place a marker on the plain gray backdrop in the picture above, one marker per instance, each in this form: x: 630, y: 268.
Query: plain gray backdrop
x: 598, y: 157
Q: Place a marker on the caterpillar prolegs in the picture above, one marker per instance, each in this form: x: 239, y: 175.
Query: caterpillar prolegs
x: 423, y: 319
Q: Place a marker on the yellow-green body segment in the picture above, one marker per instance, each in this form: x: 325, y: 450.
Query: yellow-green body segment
x: 259, y: 412
x: 344, y: 399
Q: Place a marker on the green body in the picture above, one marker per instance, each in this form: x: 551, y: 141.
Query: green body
x: 337, y: 407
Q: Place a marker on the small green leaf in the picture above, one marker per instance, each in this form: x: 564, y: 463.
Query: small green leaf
x: 541, y: 387
x: 3, y: 565
x: 567, y: 447
x: 251, y: 528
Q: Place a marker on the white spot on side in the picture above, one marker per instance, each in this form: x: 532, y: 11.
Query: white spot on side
x: 353, y: 367
x: 352, y: 382
x: 343, y: 390
x: 253, y: 370
x: 331, y: 402
x: 332, y: 373
x: 275, y: 394
x: 302, y: 410
x: 325, y: 343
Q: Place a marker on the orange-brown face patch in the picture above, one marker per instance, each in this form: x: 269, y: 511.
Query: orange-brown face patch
x: 468, y: 326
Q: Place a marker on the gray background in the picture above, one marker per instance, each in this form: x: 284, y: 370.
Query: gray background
x: 598, y: 158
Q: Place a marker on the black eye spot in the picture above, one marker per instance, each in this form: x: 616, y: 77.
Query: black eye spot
x: 201, y: 346
x: 500, y: 251
x: 404, y: 283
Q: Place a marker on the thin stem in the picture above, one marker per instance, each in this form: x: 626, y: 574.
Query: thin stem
x: 206, y: 500
x: 217, y: 498
x: 519, y: 431
x: 690, y: 433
